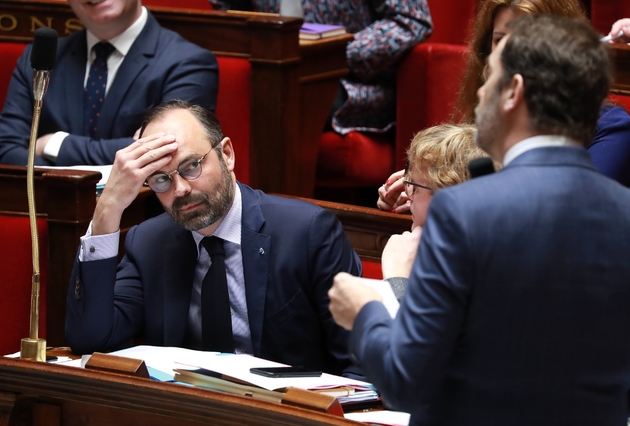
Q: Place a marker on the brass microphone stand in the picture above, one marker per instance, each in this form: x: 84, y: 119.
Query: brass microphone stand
x: 33, y: 347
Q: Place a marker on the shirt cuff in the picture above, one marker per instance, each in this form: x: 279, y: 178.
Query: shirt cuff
x: 51, y: 150
x: 98, y: 247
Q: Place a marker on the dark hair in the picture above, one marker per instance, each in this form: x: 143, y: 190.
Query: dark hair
x: 205, y: 117
x: 480, y: 43
x: 566, y: 72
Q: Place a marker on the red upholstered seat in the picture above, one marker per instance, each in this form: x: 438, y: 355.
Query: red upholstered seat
x: 428, y: 81
x: 9, y: 52
x: 452, y: 20
x: 354, y: 160
x: 428, y: 86
x: 233, y: 109
x: 16, y: 270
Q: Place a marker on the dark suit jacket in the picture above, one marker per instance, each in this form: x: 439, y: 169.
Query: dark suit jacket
x: 286, y: 287
x: 517, y: 309
x: 160, y: 66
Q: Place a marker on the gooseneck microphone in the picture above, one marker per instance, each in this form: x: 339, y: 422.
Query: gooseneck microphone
x: 480, y: 167
x: 43, y: 58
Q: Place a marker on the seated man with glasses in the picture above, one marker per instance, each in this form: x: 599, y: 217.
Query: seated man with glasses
x: 227, y: 268
x: 437, y: 158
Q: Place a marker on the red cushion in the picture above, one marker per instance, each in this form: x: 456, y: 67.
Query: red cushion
x: 233, y: 109
x: 372, y: 270
x: 428, y: 85
x: 9, y: 52
x: 16, y: 271
x: 354, y: 160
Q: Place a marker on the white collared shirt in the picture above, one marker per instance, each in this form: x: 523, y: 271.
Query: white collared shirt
x: 536, y: 142
x: 122, y: 42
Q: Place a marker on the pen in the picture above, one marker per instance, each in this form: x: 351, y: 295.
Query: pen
x: 611, y: 38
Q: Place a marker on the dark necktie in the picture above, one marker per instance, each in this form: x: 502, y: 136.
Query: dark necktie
x: 216, y: 320
x: 94, y: 92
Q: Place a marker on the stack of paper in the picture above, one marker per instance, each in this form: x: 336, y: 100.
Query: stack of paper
x: 230, y: 373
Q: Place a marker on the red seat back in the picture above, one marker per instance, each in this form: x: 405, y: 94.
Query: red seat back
x: 452, y: 20
x: 428, y: 86
x: 16, y: 270
x: 604, y: 13
x: 233, y: 109
x: 9, y: 52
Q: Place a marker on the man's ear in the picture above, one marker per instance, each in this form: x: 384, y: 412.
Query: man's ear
x: 513, y: 93
x: 228, y: 153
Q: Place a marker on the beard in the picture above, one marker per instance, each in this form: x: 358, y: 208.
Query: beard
x: 212, y: 208
x: 488, y: 122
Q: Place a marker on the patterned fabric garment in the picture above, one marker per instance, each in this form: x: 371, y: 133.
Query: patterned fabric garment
x: 384, y: 30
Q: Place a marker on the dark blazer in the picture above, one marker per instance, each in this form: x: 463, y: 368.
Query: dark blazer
x: 517, y: 309
x: 286, y: 285
x: 160, y: 66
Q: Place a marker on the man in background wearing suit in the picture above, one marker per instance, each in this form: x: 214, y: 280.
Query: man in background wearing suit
x: 516, y: 312
x: 280, y: 256
x: 142, y: 64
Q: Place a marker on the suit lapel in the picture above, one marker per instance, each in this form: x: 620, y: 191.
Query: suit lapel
x: 256, y: 251
x: 136, y: 60
x: 73, y: 78
x: 178, y: 270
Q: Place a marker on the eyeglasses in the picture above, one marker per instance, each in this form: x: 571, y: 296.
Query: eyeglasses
x: 410, y: 187
x: 189, y: 170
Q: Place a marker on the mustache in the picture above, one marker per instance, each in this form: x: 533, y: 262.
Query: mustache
x: 180, y: 202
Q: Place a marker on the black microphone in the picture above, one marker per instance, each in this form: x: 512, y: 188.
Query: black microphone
x: 480, y: 167
x: 43, y: 58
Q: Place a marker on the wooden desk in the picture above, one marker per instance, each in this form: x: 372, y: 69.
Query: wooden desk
x: 368, y: 229
x: 46, y: 394
x: 293, y: 83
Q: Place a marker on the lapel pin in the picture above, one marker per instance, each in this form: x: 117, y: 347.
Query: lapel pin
x: 261, y: 251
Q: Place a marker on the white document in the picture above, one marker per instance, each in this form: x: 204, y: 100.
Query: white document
x: 384, y: 417
x: 238, y: 366
x: 385, y: 290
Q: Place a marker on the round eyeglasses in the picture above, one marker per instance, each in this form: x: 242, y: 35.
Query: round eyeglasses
x: 189, y: 170
x: 410, y: 187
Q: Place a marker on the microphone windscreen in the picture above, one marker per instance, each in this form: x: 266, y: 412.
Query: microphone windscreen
x: 44, y: 52
x: 480, y: 167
